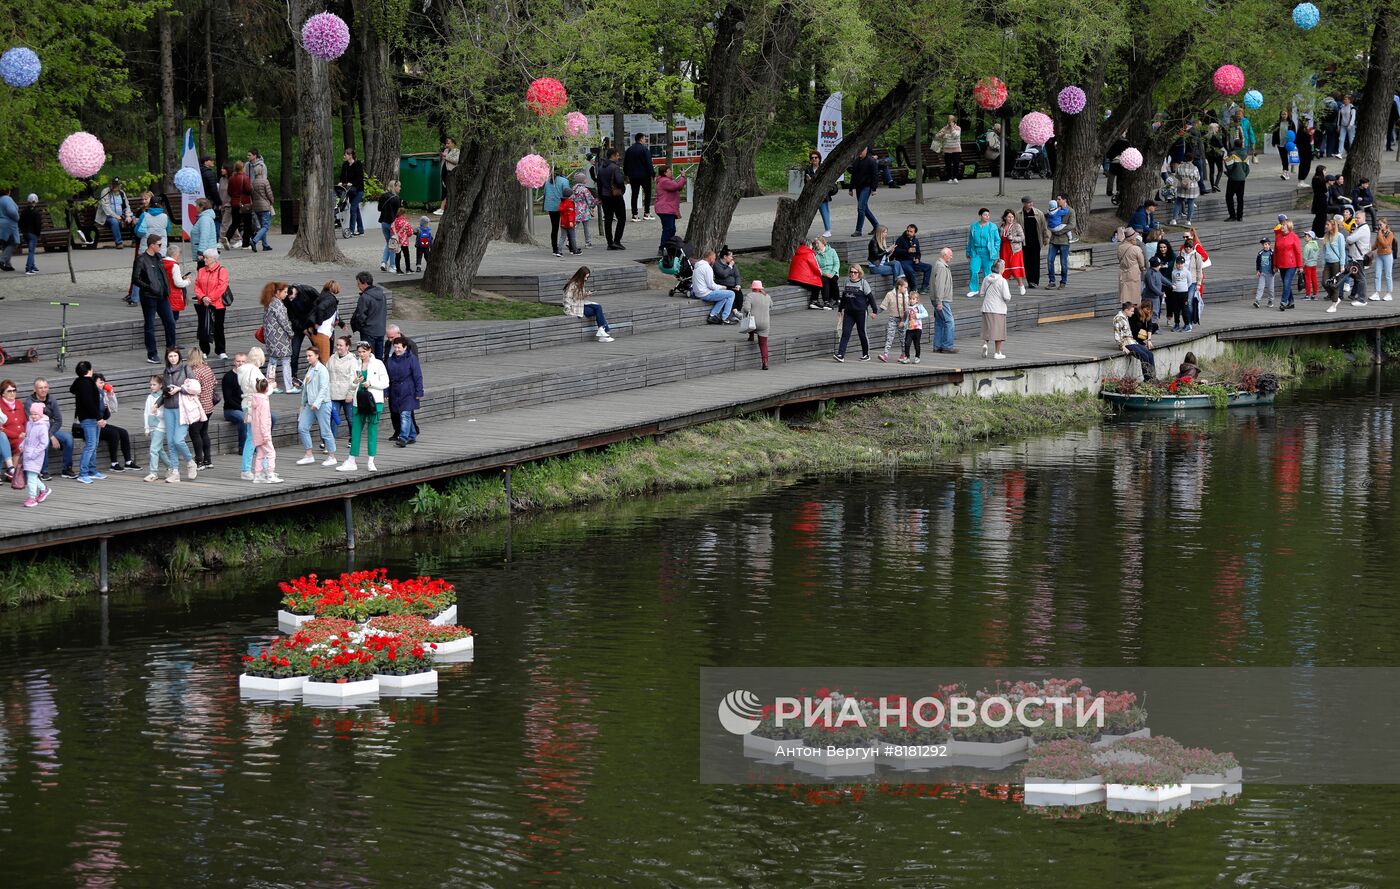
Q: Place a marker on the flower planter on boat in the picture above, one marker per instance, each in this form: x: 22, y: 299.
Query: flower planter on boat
x: 455, y: 646
x: 1215, y: 786
x: 1060, y: 792
x: 252, y: 686
x: 288, y: 622
x: 425, y: 681
x: 1146, y: 798
x: 445, y: 617
x: 1107, y: 740
x: 340, y: 691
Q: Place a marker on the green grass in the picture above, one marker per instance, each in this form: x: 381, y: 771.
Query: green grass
x: 756, y: 266
x: 478, y: 308
x: 887, y: 431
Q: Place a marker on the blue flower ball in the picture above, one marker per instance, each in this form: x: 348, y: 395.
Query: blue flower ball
x: 1253, y: 100
x: 1306, y: 16
x: 20, y: 66
x: 188, y: 180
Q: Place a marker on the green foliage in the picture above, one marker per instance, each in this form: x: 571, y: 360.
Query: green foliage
x: 84, y: 76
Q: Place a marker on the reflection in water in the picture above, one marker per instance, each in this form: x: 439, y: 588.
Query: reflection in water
x: 565, y: 752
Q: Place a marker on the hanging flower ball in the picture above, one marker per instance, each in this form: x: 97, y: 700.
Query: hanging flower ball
x: 1072, y: 100
x: 1130, y: 159
x: 1229, y: 80
x: 20, y: 66
x: 532, y: 171
x: 990, y: 93
x: 1037, y: 128
x: 546, y: 96
x: 188, y: 180
x: 82, y: 155
x: 1253, y: 100
x: 576, y: 123
x: 325, y: 36
x: 1306, y: 16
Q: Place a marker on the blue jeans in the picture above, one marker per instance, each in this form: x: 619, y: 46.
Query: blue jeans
x: 863, y: 211
x: 1286, y: 299
x: 1385, y: 271
x: 825, y: 210
x: 33, y: 242
x: 980, y: 267
x: 391, y: 248
x: 264, y: 223
x: 668, y: 228
x: 65, y: 447
x: 247, y: 446
x: 912, y: 270
x: 357, y: 224
x: 378, y: 343
x: 943, y: 327
x: 235, y: 416
x: 322, y: 417
x: 891, y: 268
x: 176, y: 438
x: 115, y: 224
x: 1062, y: 251
x: 87, y: 465
x: 150, y: 309
x: 407, y: 431
x: 1189, y: 204
x: 1143, y: 354
x: 723, y: 300
x: 595, y: 311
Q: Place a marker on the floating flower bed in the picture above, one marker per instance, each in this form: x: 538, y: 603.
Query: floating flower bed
x: 447, y: 639
x: 360, y: 595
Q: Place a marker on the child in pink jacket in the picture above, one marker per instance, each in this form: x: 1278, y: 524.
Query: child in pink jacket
x: 32, y: 449
x: 403, y: 233
x: 264, y: 454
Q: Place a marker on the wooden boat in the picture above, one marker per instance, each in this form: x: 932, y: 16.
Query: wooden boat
x: 1183, y: 402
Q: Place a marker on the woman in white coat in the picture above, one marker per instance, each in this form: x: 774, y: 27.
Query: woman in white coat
x: 372, y: 378
x: 996, y: 299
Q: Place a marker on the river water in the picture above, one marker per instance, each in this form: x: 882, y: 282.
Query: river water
x: 565, y: 754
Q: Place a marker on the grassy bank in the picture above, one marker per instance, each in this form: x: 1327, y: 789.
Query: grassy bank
x: 891, y: 430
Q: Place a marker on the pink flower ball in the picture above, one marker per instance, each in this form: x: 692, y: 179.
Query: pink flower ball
x: 82, y: 155
x: 1229, y: 80
x: 532, y: 171
x: 1037, y: 128
x: 1072, y: 100
x: 546, y: 96
x: 990, y: 93
x: 1130, y: 159
x: 325, y: 36
x: 576, y: 123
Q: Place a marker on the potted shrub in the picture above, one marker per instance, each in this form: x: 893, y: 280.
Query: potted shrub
x: 342, y: 670
x: 1065, y: 775
x: 278, y: 670
x: 448, y: 639
x: 402, y: 664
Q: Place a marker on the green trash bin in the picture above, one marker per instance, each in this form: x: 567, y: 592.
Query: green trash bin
x: 421, y: 178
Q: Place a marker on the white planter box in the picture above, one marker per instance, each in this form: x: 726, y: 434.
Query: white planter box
x: 448, y: 616
x: 1142, y: 799
x: 1056, y: 792
x: 339, y: 691
x: 418, y: 682
x: 851, y: 763
x: 264, y: 685
x: 290, y: 623
x: 456, y: 646
x: 1107, y: 740
x: 756, y: 747
x: 1214, y: 791
x: 1233, y: 776
x: 988, y: 748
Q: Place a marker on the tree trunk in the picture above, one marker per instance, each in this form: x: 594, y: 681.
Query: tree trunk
x: 918, y: 158
x: 155, y: 140
x: 1079, y: 148
x: 170, y: 125
x: 619, y: 132
x: 1144, y: 182
x: 479, y: 195
x: 739, y: 100
x: 379, y: 97
x: 286, y: 141
x: 517, y: 218
x: 794, y: 217
x: 1373, y: 117
x: 347, y: 120
x: 206, y: 120
x: 315, y: 240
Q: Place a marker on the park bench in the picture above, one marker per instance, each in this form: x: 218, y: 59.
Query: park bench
x: 931, y: 160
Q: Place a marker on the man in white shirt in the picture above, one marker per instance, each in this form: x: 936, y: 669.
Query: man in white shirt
x: 702, y: 286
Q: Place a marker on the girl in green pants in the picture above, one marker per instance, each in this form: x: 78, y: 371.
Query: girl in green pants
x: 371, y: 379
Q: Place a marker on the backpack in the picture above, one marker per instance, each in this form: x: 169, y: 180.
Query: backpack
x: 425, y: 242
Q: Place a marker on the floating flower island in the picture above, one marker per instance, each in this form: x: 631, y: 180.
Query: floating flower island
x: 356, y: 637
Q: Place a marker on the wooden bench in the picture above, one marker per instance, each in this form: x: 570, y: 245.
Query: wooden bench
x: 898, y: 172
x: 931, y: 160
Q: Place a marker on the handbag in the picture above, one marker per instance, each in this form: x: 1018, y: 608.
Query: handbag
x: 228, y: 297
x: 364, y: 402
x: 750, y: 323
x: 259, y: 335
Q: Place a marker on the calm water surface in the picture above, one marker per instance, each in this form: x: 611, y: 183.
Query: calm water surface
x: 566, y: 753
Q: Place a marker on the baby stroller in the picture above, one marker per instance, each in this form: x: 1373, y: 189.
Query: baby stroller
x: 1167, y: 193
x: 342, y: 210
x: 1031, y: 163
x: 675, y: 260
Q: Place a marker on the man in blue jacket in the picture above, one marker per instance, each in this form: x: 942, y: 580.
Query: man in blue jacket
x: 637, y: 165
x: 1144, y: 218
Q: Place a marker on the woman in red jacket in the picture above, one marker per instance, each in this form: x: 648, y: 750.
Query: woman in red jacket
x: 13, y: 409
x: 805, y: 274
x: 240, y: 200
x: 1288, y: 259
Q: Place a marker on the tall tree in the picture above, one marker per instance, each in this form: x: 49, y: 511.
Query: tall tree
x: 171, y: 140
x: 315, y: 240
x: 1372, y: 118
x: 377, y: 25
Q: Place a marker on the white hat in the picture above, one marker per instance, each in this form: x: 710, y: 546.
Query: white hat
x: 33, y: 198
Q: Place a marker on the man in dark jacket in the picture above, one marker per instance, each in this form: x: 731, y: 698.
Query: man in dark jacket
x: 610, y: 190
x: 909, y: 255
x: 211, y: 183
x: 727, y: 275
x: 148, y: 277
x: 233, y: 398
x: 299, y: 310
x: 637, y: 166
x: 865, y: 177
x: 371, y: 318
x: 1144, y: 218
x: 1115, y: 169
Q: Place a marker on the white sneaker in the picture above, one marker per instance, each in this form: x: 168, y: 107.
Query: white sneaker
x: 173, y: 477
x: 1375, y: 297
x: 223, y: 356
x: 971, y: 294
x: 605, y: 339
x: 273, y: 479
x: 370, y: 465
x: 246, y: 476
x: 347, y: 466
x: 1387, y: 297
x: 998, y: 356
x: 826, y: 234
x: 329, y: 461
x: 307, y: 460
x: 1332, y: 308
x: 259, y: 479
x: 986, y: 350
x: 192, y: 472
x: 384, y: 267
x: 437, y: 212
x: 150, y: 477
x: 1023, y: 290
x: 1358, y: 303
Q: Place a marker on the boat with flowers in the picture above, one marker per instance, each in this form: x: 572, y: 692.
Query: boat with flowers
x: 1251, y: 390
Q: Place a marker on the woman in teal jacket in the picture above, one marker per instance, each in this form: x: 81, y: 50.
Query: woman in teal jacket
x: 554, y: 194
x: 983, y: 248
x: 205, y: 234
x: 829, y: 263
